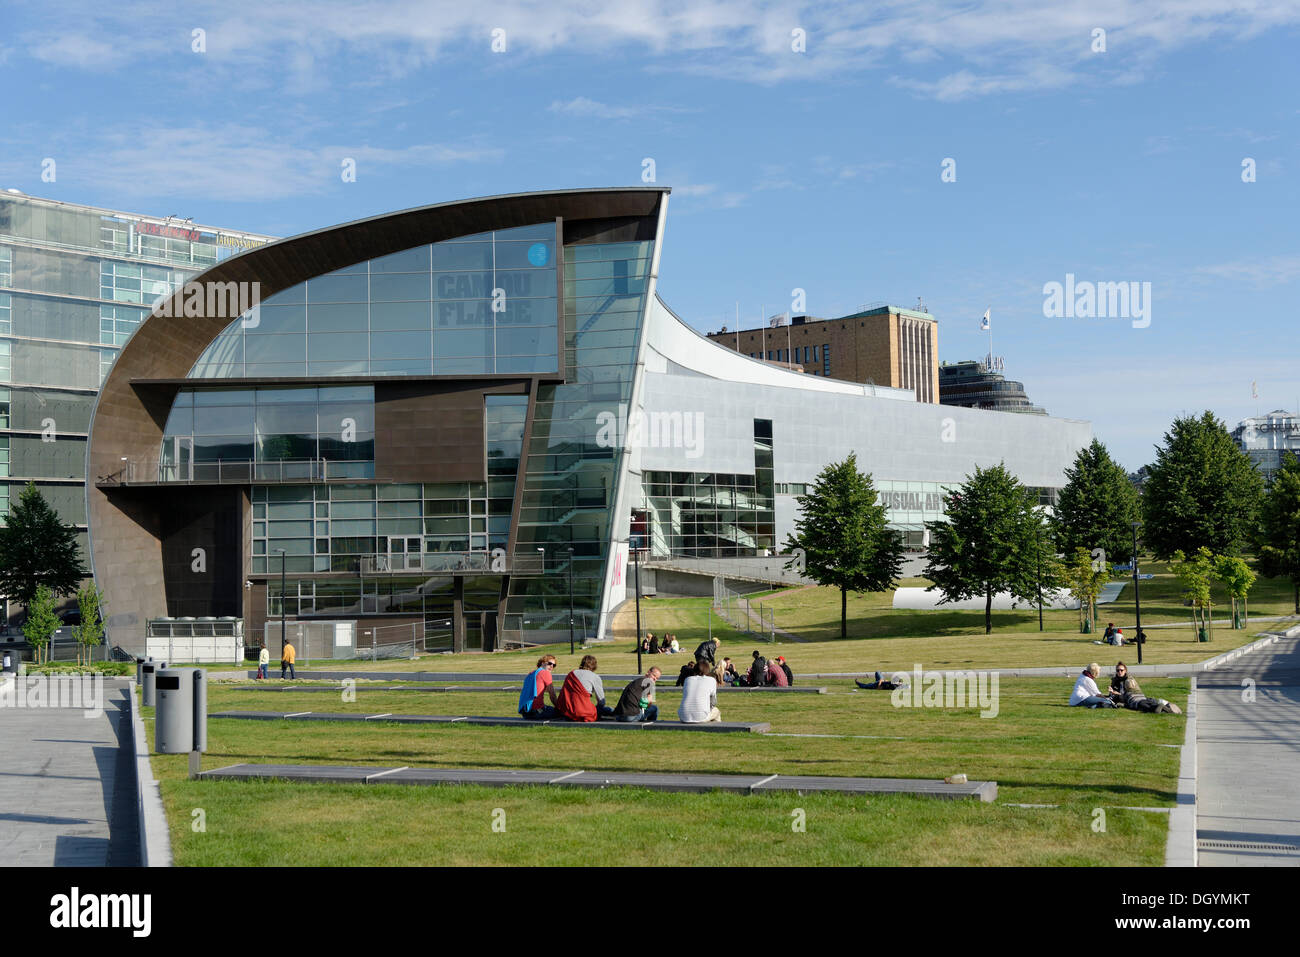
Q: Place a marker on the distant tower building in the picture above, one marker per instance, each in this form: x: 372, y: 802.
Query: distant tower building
x: 981, y: 385
x: 1266, y: 438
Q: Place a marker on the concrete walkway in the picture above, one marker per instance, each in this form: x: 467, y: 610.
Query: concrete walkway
x: 1248, y: 760
x: 67, y: 783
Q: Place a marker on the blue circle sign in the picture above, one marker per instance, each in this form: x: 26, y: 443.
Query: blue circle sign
x: 538, y: 254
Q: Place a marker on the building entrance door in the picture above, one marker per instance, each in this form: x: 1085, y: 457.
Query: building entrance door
x: 404, y: 553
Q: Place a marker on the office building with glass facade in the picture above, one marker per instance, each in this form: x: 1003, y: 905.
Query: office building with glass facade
x: 75, y: 281
x: 454, y: 421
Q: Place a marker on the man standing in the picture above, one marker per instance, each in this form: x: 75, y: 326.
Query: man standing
x: 637, y: 703
x: 287, y: 658
x: 263, y: 662
x: 708, y: 650
x: 537, y: 687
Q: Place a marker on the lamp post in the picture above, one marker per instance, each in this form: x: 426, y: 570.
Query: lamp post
x: 1038, y: 533
x: 636, y: 573
x: 1137, y: 598
x: 571, y: 600
x: 283, y: 600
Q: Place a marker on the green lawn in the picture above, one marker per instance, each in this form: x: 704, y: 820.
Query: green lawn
x: 1037, y: 749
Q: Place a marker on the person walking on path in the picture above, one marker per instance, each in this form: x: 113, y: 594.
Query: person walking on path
x: 263, y: 662
x: 287, y: 658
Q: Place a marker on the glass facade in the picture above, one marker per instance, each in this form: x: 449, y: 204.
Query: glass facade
x: 570, y: 479
x: 477, y: 305
x: 74, y: 283
x: 210, y: 430
x: 715, y: 514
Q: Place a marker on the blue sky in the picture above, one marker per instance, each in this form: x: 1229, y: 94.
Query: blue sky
x: 817, y: 169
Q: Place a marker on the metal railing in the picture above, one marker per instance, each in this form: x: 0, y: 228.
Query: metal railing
x: 751, y: 617
x: 237, y: 471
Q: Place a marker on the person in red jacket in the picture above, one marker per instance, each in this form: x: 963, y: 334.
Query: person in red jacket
x: 583, y: 696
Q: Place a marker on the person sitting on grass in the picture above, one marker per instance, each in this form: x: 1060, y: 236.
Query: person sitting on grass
x: 689, y: 669
x: 789, y: 675
x: 776, y: 675
x: 1085, y: 690
x: 1117, y: 681
x: 1110, y: 630
x: 729, y: 674
x: 583, y: 696
x: 880, y: 684
x: 757, y: 676
x: 537, y: 687
x: 673, y: 648
x: 645, y: 645
x: 1117, y: 637
x: 1135, y: 700
x: 700, y: 697
x: 654, y: 645
x: 637, y: 703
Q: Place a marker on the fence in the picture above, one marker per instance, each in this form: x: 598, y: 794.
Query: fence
x: 751, y: 617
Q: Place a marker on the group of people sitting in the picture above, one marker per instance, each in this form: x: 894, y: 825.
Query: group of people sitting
x: 760, y: 674
x: 1124, y: 692
x: 651, y: 645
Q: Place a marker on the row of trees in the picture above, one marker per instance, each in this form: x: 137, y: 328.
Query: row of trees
x: 39, y: 563
x: 1202, y: 498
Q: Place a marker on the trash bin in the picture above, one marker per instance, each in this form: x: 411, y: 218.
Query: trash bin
x: 7, y: 661
x: 1201, y: 635
x: 174, y: 718
x: 1087, y: 626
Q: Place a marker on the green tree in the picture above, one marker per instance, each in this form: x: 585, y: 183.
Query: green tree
x: 1097, y: 506
x: 36, y: 549
x: 1201, y: 491
x: 1194, y: 575
x: 1084, y: 577
x: 91, y: 630
x: 843, y: 532
x: 1236, y: 576
x: 990, y: 542
x: 41, y: 620
x: 1279, y: 526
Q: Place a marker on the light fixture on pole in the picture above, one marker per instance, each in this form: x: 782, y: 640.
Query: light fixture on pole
x: 571, y: 651
x: 1139, y: 637
x: 283, y: 600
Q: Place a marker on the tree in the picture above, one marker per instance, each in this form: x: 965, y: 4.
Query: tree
x: 1098, y: 505
x: 1237, y: 577
x: 843, y: 532
x: 36, y: 549
x: 1084, y: 578
x: 41, y: 620
x: 1194, y: 575
x: 91, y: 629
x: 1279, y: 526
x: 1202, y: 491
x: 990, y: 542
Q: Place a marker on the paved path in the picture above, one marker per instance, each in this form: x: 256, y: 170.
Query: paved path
x: 67, y: 784
x: 1248, y: 761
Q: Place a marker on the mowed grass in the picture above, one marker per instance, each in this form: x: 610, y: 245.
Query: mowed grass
x: 1036, y: 748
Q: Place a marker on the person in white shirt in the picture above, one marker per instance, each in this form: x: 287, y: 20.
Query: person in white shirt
x: 700, y: 697
x: 1086, y: 692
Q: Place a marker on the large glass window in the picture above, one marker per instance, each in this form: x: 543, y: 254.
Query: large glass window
x: 473, y: 306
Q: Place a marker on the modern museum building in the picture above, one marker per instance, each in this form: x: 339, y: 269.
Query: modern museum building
x: 441, y: 422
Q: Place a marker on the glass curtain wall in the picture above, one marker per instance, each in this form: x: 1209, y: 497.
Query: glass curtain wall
x: 570, y: 478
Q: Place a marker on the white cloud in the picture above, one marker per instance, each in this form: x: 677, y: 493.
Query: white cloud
x: 582, y: 106
x: 1265, y: 271
x: 946, y: 49
x: 245, y: 164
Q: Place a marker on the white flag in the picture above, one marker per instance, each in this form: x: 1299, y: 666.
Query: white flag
x: 984, y: 323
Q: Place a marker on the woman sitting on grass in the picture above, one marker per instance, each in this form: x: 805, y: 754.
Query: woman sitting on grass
x: 1135, y: 700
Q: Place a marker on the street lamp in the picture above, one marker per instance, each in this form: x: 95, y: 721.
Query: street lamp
x: 1137, y: 598
x: 283, y: 600
x: 571, y: 600
x: 636, y: 571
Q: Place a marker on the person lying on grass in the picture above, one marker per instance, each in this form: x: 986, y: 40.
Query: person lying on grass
x: 1085, y: 691
x: 1135, y: 700
x: 880, y: 684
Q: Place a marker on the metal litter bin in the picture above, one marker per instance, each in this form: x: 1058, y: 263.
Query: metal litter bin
x: 174, y: 718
